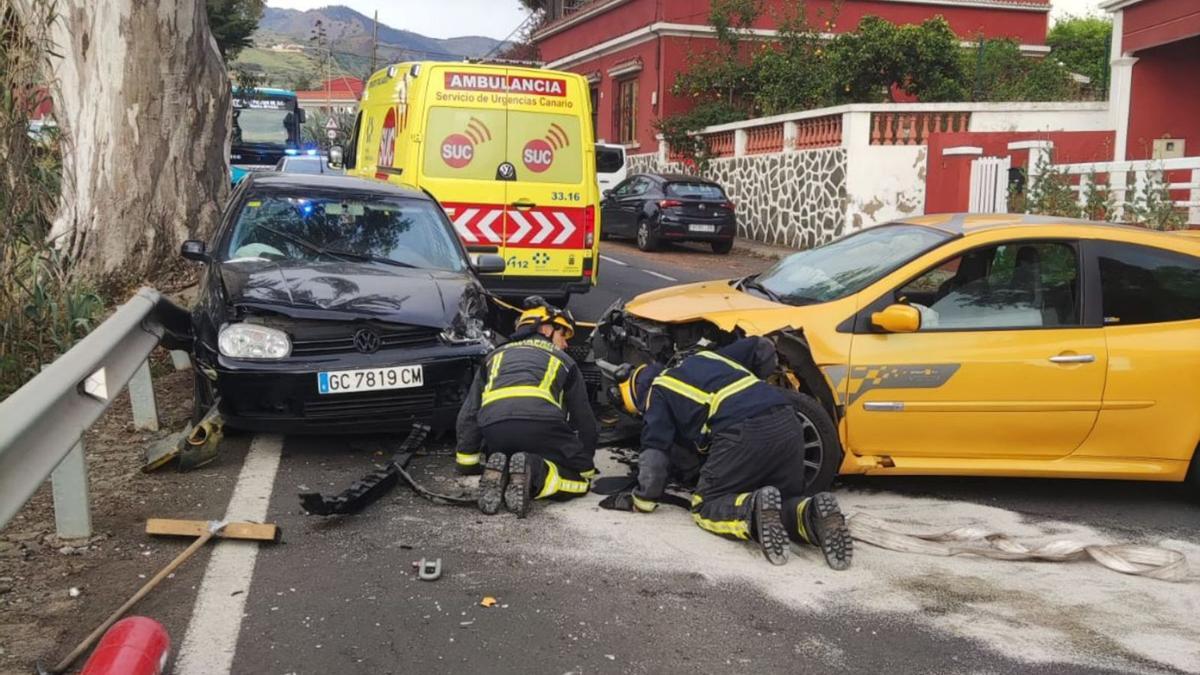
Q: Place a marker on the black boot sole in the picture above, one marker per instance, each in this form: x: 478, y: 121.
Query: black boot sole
x: 517, y: 496
x: 772, y: 536
x: 832, y: 532
x: 492, y: 483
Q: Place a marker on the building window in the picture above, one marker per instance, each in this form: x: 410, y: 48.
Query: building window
x: 626, y: 109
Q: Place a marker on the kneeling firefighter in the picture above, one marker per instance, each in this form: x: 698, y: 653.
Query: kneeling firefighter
x: 528, y: 408
x: 752, y: 481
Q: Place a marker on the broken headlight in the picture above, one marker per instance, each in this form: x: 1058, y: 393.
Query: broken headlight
x: 470, y: 324
x: 250, y: 341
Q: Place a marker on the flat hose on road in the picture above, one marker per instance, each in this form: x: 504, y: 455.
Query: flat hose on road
x: 1143, y: 561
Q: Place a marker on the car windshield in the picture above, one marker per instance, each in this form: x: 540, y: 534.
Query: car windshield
x: 695, y: 191
x: 361, y: 227
x: 609, y: 160
x: 304, y: 165
x: 845, y: 266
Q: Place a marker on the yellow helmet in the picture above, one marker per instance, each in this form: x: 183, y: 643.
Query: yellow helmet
x: 633, y: 386
x: 537, y: 312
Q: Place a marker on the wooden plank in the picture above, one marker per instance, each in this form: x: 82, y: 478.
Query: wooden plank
x: 195, y: 528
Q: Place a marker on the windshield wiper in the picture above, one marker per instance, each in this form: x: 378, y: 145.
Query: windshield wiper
x: 301, y: 241
x: 368, y: 257
x: 752, y: 283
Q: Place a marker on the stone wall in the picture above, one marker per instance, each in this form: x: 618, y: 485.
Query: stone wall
x: 795, y: 199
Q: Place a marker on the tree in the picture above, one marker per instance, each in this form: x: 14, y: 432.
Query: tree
x: 232, y: 22
x: 1081, y: 44
x: 921, y: 60
x: 996, y: 70
x: 142, y: 99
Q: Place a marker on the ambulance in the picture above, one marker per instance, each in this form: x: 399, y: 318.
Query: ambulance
x: 507, y: 151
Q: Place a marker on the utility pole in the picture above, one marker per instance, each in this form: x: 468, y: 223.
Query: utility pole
x: 374, y: 45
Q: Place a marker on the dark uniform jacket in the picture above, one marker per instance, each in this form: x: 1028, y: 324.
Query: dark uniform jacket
x: 709, y: 392
x: 527, y: 378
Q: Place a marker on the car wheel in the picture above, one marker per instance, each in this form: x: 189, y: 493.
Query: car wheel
x: 722, y: 247
x: 646, y: 239
x: 822, y: 448
x: 203, y: 396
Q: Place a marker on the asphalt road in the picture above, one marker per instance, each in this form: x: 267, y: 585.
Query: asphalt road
x: 580, y: 590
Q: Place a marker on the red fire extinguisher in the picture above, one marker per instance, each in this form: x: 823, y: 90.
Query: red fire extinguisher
x: 134, y: 645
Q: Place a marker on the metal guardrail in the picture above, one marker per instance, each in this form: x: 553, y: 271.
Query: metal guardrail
x: 42, y: 423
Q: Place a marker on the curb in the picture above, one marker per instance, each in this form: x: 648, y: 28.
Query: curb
x: 761, y: 250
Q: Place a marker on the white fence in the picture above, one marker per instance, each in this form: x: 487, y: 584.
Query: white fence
x: 1145, y: 173
x: 989, y: 185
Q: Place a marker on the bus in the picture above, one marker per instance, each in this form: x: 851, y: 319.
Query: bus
x: 266, y: 127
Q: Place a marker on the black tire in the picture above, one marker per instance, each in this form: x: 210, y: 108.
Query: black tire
x: 822, y: 447
x: 202, y: 395
x: 646, y: 239
x: 722, y: 247
x: 1192, y: 481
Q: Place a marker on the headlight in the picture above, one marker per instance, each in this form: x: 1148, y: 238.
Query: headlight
x: 249, y: 341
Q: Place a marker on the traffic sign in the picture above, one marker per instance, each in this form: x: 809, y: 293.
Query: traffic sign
x: 331, y: 124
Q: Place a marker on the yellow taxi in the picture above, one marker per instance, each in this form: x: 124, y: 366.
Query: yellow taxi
x: 983, y: 345
x: 509, y: 154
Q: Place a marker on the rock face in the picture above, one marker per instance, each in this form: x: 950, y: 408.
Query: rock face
x: 142, y: 98
x: 795, y: 199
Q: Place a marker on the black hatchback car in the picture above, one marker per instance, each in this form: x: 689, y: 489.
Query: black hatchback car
x: 653, y: 207
x: 336, y: 304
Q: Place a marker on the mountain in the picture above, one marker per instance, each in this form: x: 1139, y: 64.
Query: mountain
x: 350, y: 32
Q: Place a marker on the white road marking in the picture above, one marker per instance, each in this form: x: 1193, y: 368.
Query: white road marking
x: 212, y: 634
x: 614, y: 261
x: 659, y: 275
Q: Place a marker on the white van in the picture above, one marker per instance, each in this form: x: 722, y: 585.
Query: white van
x: 610, y: 166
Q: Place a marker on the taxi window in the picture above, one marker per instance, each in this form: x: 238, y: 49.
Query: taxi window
x: 464, y: 143
x: 545, y: 147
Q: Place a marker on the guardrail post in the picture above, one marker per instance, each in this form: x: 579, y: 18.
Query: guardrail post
x: 180, y: 359
x: 141, y: 398
x: 72, y: 511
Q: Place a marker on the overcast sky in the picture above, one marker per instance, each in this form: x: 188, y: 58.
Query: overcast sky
x: 498, y: 18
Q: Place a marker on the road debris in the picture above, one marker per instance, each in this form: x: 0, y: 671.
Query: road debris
x: 428, y: 570
x: 194, y: 448
x: 487, y: 601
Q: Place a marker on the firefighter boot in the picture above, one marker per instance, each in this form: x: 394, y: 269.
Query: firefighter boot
x: 520, y: 483
x: 768, y: 525
x: 492, y: 483
x: 820, y: 522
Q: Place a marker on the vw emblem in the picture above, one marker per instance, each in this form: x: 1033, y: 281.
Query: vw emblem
x: 366, y: 341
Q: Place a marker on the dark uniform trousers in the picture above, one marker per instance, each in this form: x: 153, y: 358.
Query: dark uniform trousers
x: 765, y: 450
x: 565, y: 470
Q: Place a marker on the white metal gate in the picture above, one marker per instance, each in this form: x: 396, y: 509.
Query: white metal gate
x: 989, y: 185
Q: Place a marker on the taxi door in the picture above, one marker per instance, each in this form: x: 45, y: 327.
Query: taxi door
x: 551, y: 209
x: 463, y: 148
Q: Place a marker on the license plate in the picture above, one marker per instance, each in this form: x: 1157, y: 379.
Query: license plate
x: 370, y: 379
x: 702, y: 228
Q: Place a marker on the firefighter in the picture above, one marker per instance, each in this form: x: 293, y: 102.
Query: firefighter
x: 751, y: 484
x: 528, y: 408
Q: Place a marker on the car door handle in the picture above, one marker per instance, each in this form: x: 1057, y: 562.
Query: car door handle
x: 1073, y: 358
x: 523, y: 204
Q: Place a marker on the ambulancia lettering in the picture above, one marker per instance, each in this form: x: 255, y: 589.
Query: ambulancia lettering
x: 516, y: 84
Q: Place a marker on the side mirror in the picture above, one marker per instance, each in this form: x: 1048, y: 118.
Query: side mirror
x: 335, y: 157
x: 897, y: 319
x: 489, y: 263
x: 607, y: 194
x: 195, y: 250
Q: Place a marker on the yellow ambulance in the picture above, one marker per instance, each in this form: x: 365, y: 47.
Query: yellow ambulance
x: 507, y: 151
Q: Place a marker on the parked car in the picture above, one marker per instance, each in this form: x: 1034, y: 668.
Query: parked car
x: 610, y: 166
x: 336, y: 304
x: 981, y: 345
x: 311, y: 164
x: 653, y: 207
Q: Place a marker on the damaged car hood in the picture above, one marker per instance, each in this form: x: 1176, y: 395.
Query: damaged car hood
x: 413, y: 296
x: 714, y: 301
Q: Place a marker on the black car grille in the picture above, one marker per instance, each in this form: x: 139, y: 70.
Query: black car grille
x: 396, y: 402
x: 591, y: 373
x: 328, y: 338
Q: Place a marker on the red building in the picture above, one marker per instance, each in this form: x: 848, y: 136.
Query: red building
x: 631, y: 50
x: 1155, y: 93
x: 340, y: 94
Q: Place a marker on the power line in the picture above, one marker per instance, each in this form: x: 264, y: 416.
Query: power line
x: 528, y: 21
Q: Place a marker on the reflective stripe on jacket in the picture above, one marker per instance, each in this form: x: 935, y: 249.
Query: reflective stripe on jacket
x: 707, y: 393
